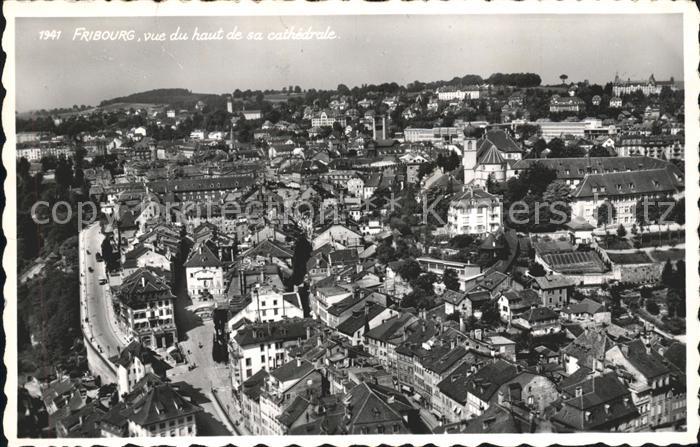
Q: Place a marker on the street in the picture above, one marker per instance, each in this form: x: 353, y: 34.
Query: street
x: 99, y: 312
x: 207, y: 374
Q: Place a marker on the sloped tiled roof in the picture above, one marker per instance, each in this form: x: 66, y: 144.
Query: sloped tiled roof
x: 203, y: 256
x: 143, y: 286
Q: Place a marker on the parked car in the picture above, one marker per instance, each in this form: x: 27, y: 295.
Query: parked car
x: 103, y: 282
x: 90, y: 269
x: 98, y: 257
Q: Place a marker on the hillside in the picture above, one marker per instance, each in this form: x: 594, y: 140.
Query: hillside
x: 175, y: 97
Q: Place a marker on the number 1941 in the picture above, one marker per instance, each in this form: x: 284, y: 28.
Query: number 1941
x: 50, y: 34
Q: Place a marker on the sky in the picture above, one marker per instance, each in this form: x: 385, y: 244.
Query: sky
x: 368, y: 49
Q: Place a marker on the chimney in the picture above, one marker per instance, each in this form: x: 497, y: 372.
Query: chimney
x: 453, y: 344
x: 461, y: 323
x: 308, y: 332
x: 298, y: 362
x: 143, y: 281
x: 579, y: 391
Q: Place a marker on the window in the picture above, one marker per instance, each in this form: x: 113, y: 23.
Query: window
x: 248, y: 362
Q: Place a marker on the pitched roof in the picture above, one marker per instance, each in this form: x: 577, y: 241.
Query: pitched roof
x: 371, y: 407
x: 292, y: 370
x: 484, y: 383
x: 652, y: 181
x: 290, y: 329
x: 161, y: 402
x: 254, y: 385
x: 553, y: 282
x: 577, y: 168
x: 453, y: 297
x: 539, y: 314
x: 650, y: 364
x: 596, y: 391
x: 360, y: 318
x: 589, y: 346
x: 143, y: 286
x: 203, y: 256
x: 491, y: 156
x: 473, y: 196
x: 499, y: 139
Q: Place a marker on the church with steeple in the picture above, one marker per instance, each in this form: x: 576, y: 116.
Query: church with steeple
x: 488, y: 156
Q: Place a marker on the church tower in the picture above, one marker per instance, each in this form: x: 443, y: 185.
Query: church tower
x: 469, y: 159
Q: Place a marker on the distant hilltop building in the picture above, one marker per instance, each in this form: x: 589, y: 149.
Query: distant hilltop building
x: 566, y: 104
x: 649, y: 87
x: 449, y: 93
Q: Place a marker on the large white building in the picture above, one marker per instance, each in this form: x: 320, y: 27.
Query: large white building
x: 257, y: 346
x: 326, y: 118
x: 267, y: 304
x: 648, y: 87
x: 205, y: 273
x: 623, y: 191
x: 145, y: 308
x: 449, y: 93
x: 474, y: 211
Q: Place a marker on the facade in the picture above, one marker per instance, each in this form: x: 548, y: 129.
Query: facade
x: 553, y: 289
x: 648, y: 87
x: 205, y: 273
x: 326, y: 118
x: 449, y: 93
x: 562, y: 104
x: 145, y: 309
x: 623, y: 190
x: 257, y: 346
x: 664, y: 147
x: 475, y: 211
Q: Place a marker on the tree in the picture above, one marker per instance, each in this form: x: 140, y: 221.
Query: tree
x: 536, y: 179
x: 385, y: 253
x: 563, y: 78
x: 448, y: 162
x: 302, y: 254
x: 599, y: 151
x: 409, y: 269
x: 450, y: 279
x: 668, y: 274
x: 343, y: 89
x: 536, y: 269
x: 647, y: 212
x: 605, y: 214
x: 621, y: 231
x: 652, y: 307
x: 425, y: 282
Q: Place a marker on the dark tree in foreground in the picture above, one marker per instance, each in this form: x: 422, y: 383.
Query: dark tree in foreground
x: 449, y: 278
x: 302, y: 253
x: 536, y: 269
x: 652, y: 307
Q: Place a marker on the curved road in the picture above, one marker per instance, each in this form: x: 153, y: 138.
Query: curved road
x: 98, y: 313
